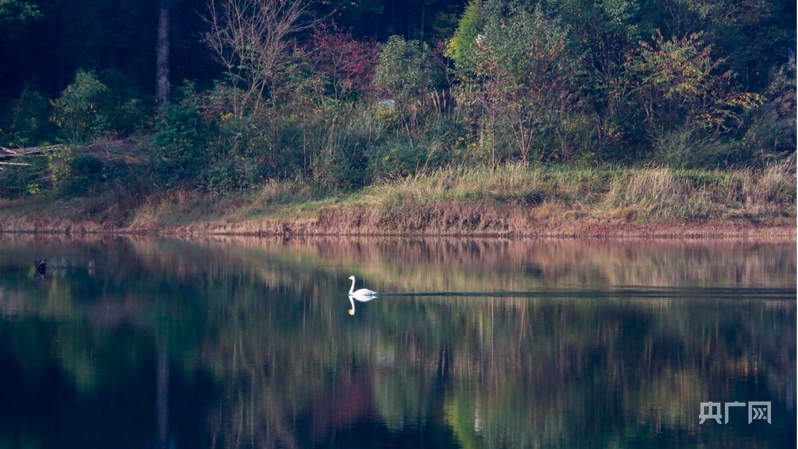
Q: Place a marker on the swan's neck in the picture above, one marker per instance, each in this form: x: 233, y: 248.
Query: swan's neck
x: 351, y: 290
x: 352, y: 311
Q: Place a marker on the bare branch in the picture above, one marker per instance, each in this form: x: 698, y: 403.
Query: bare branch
x: 253, y: 40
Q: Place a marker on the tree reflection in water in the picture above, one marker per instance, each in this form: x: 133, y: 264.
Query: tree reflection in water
x: 603, y: 343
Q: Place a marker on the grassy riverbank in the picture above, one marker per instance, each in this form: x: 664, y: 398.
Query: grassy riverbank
x: 512, y: 201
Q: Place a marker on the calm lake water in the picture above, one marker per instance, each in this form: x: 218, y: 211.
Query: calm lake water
x: 228, y: 343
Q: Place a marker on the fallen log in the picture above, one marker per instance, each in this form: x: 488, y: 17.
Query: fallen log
x: 16, y: 152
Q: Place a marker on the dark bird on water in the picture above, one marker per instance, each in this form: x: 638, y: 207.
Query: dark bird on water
x: 41, y: 268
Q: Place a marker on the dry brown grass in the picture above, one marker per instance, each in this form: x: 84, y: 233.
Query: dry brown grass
x: 510, y: 201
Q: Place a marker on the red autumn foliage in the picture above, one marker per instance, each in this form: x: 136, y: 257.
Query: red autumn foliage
x: 344, y: 64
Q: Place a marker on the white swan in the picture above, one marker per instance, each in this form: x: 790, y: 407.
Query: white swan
x: 362, y: 295
x: 364, y: 292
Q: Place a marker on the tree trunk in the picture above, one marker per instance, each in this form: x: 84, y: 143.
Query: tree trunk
x: 162, y: 51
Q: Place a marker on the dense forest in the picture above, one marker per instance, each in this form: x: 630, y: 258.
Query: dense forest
x: 225, y: 96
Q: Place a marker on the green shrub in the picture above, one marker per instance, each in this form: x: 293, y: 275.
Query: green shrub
x: 406, y: 70
x: 83, y: 174
x: 336, y: 138
x: 24, y: 181
x: 468, y: 30
x: 81, y: 112
x: 396, y: 158
x: 179, y: 149
x: 689, y: 147
x: 88, y: 108
x: 339, y: 168
x: 771, y: 134
x: 231, y: 174
x: 680, y: 82
x: 127, y: 112
x: 437, y: 144
x: 27, y: 123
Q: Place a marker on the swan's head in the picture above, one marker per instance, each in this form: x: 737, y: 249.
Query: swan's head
x: 351, y: 278
x: 351, y: 311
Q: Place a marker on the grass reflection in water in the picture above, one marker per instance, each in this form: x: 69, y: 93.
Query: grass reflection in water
x: 475, y: 344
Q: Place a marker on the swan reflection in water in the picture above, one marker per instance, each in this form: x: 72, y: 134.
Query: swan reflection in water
x: 360, y: 298
x: 362, y: 295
